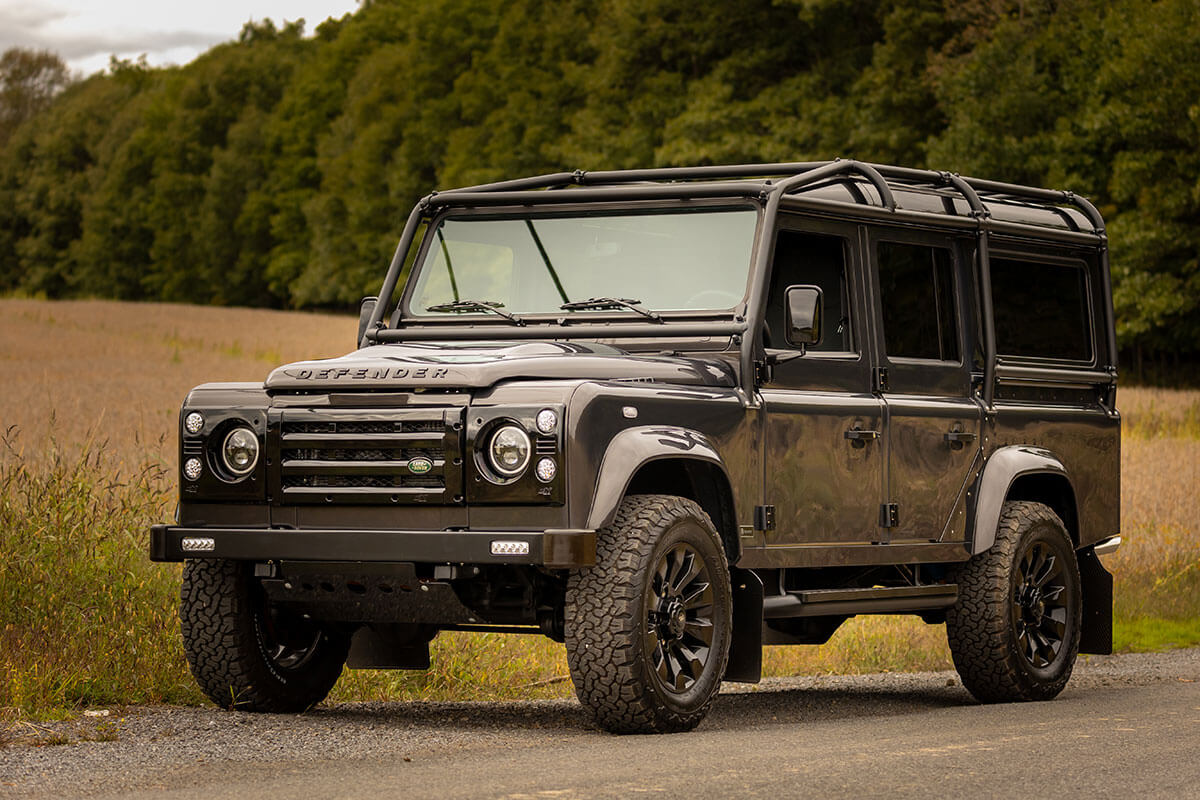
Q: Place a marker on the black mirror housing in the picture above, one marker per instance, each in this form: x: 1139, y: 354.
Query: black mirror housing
x: 366, y: 307
x: 804, y: 315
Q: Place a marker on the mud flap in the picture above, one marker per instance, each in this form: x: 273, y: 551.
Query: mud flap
x: 745, y: 650
x: 1095, y: 634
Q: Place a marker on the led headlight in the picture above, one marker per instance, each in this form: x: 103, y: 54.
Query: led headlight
x: 545, y: 470
x: 240, y: 451
x: 547, y: 420
x: 192, y: 468
x: 509, y: 451
x: 194, y: 422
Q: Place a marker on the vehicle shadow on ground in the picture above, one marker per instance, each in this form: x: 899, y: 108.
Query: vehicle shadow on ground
x: 732, y: 711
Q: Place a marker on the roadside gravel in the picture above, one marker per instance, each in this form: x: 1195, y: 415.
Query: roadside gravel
x: 145, y: 746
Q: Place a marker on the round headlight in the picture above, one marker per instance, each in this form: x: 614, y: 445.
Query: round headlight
x: 547, y: 420
x: 192, y: 468
x: 509, y: 451
x: 545, y: 470
x: 240, y: 451
x: 194, y: 422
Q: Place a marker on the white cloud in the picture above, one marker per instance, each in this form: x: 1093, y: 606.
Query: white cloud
x: 86, y: 32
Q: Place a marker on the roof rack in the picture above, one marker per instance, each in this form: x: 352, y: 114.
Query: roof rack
x: 795, y: 176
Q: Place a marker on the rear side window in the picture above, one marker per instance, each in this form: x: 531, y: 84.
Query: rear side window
x: 916, y: 284
x: 1041, y: 310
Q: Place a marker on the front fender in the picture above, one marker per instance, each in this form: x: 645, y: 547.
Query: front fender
x: 1003, y: 468
x: 632, y: 448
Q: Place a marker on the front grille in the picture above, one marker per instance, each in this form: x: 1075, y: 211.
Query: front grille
x: 369, y: 456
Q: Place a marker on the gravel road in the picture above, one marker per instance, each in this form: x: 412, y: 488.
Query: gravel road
x: 1126, y: 725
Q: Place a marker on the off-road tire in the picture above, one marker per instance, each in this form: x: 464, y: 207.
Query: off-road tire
x: 607, y: 618
x: 226, y: 640
x: 983, y: 627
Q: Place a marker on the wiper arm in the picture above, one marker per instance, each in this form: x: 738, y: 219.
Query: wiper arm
x: 611, y: 302
x: 490, y: 306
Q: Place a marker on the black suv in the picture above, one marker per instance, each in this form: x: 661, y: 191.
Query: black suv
x: 666, y: 417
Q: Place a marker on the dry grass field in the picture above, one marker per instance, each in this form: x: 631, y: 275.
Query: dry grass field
x: 89, y: 393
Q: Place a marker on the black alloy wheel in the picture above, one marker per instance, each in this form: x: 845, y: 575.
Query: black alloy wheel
x: 1039, y: 607
x: 1014, y: 631
x: 679, y: 618
x: 248, y: 654
x: 648, y: 628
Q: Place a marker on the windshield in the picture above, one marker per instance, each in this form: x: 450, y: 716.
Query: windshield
x: 660, y: 260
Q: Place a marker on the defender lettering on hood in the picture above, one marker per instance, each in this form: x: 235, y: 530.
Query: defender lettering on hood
x: 482, y: 365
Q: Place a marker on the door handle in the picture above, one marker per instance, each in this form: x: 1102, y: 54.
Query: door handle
x: 859, y: 437
x: 957, y: 439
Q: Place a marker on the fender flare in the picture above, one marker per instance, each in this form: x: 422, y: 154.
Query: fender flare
x: 633, y: 448
x: 1004, y: 467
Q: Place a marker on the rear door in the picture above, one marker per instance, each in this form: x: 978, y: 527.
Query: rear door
x: 921, y: 282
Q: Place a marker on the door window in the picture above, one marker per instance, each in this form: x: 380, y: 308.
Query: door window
x: 814, y: 260
x: 916, y: 286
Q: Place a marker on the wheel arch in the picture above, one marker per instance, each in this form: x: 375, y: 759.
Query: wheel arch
x: 1020, y: 472
x: 659, y: 459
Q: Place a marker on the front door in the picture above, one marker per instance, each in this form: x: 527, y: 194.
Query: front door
x: 822, y: 446
x: 933, y: 420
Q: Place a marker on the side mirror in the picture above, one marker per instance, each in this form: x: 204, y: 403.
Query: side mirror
x: 366, y: 307
x: 803, y: 315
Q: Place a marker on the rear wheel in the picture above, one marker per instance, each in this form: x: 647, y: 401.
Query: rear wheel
x: 648, y: 627
x: 248, y: 654
x: 1014, y: 632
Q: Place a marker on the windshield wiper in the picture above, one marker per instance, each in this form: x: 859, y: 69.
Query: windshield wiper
x: 611, y: 302
x: 476, y: 305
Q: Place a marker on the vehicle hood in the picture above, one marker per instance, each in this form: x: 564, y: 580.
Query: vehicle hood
x: 483, y: 364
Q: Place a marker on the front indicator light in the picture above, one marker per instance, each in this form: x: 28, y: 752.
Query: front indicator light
x: 192, y: 468
x: 240, y: 451
x: 545, y: 470
x: 509, y: 451
x: 507, y: 548
x: 546, y: 421
x: 194, y: 422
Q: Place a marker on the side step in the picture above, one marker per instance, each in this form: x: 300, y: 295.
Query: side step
x: 830, y: 602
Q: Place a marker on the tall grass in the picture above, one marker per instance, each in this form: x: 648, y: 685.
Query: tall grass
x: 85, y: 618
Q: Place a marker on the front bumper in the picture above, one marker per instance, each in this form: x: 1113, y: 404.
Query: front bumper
x: 558, y: 549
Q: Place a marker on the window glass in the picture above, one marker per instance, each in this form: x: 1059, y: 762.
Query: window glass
x: 916, y: 284
x: 664, y: 260
x: 1041, y: 310
x: 812, y: 260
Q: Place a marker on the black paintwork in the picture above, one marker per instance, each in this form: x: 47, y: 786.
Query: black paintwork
x: 876, y: 471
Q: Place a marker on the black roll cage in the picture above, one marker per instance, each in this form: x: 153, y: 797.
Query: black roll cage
x: 767, y: 184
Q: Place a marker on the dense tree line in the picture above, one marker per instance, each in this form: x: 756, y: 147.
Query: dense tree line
x: 277, y: 169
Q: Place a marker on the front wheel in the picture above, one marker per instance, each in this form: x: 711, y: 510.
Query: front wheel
x: 247, y: 654
x: 648, y: 627
x: 1014, y: 632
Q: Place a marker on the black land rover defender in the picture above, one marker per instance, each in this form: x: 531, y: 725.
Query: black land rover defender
x: 666, y: 417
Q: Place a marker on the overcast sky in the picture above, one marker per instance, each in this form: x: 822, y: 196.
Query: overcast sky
x: 86, y: 32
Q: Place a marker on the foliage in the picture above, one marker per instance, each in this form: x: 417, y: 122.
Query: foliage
x: 29, y: 79
x: 277, y: 169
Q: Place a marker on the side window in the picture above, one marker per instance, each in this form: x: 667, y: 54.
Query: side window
x: 1041, y: 309
x: 815, y: 260
x: 920, y: 318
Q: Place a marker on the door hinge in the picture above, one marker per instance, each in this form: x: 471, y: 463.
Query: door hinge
x: 764, y: 518
x: 764, y: 372
x: 889, y: 515
x: 881, y: 379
